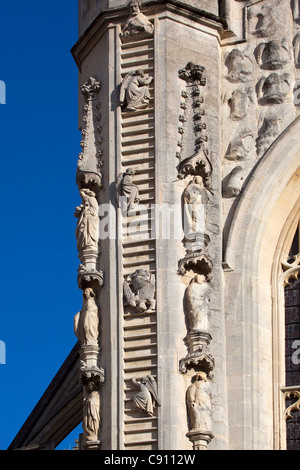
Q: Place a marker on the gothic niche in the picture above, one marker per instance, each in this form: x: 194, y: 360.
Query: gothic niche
x: 139, y: 290
x: 87, y: 230
x: 195, y: 199
x: 240, y: 67
x: 127, y: 191
x: 273, y: 55
x: 146, y: 399
x: 89, y: 164
x: 193, y: 154
x: 198, y: 401
x: 134, y: 91
x: 273, y: 89
x: 137, y: 23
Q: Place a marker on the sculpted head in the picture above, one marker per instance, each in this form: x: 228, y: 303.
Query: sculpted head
x: 88, y: 293
x: 134, y: 7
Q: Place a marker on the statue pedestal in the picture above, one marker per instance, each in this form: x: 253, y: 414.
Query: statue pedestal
x: 197, y: 341
x: 200, y: 438
x: 92, y: 445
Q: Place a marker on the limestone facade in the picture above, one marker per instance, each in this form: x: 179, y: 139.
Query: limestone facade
x: 190, y: 156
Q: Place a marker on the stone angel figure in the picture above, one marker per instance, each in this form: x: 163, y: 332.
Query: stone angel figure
x: 139, y: 290
x: 87, y: 230
x: 134, y: 91
x: 147, y: 398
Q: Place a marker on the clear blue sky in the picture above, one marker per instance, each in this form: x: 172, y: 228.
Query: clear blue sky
x: 39, y: 150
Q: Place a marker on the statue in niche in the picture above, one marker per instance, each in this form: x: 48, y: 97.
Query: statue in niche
x: 146, y: 399
x: 195, y: 199
x: 240, y: 67
x: 197, y: 303
x: 127, y: 192
x: 87, y: 230
x: 198, y: 399
x: 273, y: 89
x: 134, y: 91
x: 86, y: 322
x: 273, y: 55
x: 91, y: 410
x: 139, y: 290
x: 137, y: 22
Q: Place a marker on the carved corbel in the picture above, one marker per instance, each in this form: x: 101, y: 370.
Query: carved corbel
x: 198, y: 262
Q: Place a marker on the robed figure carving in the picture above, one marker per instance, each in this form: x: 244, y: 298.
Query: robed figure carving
x: 195, y: 199
x: 137, y: 22
x: 87, y: 230
x: 146, y: 399
x: 134, y: 92
x: 198, y: 398
x: 127, y: 191
x: 86, y: 322
x: 91, y: 412
x: 197, y: 304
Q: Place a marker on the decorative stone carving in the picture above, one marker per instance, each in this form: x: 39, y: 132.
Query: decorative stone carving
x: 197, y: 298
x: 196, y: 261
x: 139, y: 290
x: 273, y: 55
x: 273, y: 89
x: 266, y: 19
x: 195, y: 199
x: 296, y: 45
x: 134, y: 91
x: 89, y: 277
x: 86, y: 322
x: 239, y: 103
x: 291, y: 269
x: 240, y: 67
x: 137, y: 22
x: 234, y: 182
x: 147, y: 398
x: 294, y: 406
x: 87, y: 230
x: 295, y: 5
x: 91, y: 411
x: 268, y: 132
x: 127, y: 191
x: 242, y: 146
x: 198, y: 359
x: 89, y: 164
x: 193, y: 154
x: 198, y: 399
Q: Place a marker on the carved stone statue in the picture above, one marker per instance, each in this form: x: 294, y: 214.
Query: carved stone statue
x: 87, y: 230
x: 195, y: 199
x: 134, y: 91
x: 86, y: 322
x: 240, y: 67
x: 197, y: 304
x: 91, y: 411
x: 127, y: 192
x: 137, y: 22
x: 139, y: 290
x: 146, y: 399
x: 198, y: 398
